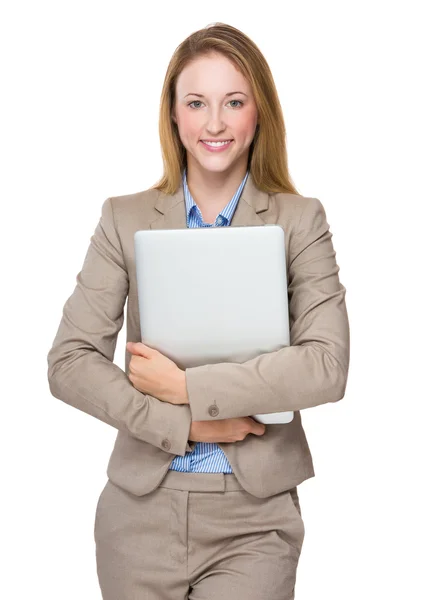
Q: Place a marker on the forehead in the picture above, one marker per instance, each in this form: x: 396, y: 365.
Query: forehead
x: 211, y: 74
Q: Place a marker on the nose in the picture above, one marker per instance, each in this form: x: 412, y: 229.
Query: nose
x: 215, y: 123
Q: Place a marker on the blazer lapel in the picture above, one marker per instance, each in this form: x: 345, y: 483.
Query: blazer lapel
x: 172, y: 208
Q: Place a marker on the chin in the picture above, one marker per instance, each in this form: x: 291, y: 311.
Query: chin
x: 217, y: 168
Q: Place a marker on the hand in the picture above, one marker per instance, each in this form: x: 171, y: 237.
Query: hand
x: 153, y: 373
x: 225, y: 430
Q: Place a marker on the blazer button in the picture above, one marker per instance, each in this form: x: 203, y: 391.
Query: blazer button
x: 166, y: 444
x: 213, y: 410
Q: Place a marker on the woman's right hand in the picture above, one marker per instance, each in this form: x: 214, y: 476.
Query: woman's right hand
x: 225, y: 430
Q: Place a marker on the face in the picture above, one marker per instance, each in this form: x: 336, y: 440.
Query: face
x: 206, y: 109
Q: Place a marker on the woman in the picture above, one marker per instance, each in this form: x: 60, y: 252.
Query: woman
x: 218, y: 517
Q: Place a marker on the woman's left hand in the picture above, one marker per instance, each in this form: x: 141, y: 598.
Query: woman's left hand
x: 150, y: 372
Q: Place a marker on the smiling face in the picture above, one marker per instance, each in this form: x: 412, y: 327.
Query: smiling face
x: 207, y: 109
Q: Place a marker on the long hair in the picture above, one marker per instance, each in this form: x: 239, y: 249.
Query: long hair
x: 267, y: 159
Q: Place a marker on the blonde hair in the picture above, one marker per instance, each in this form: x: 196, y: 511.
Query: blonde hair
x: 268, y: 159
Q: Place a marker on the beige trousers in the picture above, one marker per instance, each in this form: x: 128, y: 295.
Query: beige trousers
x: 198, y: 536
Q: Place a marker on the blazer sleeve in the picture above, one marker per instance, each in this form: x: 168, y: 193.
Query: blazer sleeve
x: 311, y: 371
x: 81, y: 371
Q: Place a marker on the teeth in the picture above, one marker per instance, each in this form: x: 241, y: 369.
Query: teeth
x: 216, y: 143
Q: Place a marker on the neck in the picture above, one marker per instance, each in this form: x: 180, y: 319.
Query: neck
x: 212, y: 190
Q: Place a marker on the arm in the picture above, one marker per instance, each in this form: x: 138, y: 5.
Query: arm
x: 311, y: 371
x: 80, y: 368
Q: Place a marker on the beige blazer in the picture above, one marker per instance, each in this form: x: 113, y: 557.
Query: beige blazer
x: 313, y: 370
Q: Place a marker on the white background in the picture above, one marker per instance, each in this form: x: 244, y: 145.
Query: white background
x: 81, y: 83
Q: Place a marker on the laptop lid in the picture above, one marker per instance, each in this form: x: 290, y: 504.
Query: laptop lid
x: 209, y: 295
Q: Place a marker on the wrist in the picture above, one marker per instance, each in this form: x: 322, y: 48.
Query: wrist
x: 182, y: 393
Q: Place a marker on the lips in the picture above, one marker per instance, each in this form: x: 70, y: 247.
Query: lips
x: 218, y: 148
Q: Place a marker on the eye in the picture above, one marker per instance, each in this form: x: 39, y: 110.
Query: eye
x: 199, y: 102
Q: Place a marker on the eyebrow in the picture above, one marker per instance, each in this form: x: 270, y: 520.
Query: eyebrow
x: 202, y: 95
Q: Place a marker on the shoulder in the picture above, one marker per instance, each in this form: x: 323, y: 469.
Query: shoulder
x: 296, y: 202
x: 302, y: 211
x: 128, y: 205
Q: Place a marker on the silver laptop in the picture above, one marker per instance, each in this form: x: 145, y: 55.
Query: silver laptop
x: 216, y: 294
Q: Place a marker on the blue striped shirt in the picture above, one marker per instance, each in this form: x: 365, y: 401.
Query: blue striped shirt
x: 206, y: 457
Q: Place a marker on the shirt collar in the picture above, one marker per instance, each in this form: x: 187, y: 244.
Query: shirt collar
x: 226, y: 213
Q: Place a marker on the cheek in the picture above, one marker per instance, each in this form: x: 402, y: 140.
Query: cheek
x: 188, y: 125
x: 246, y: 123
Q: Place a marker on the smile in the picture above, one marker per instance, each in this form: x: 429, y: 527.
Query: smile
x: 216, y: 146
